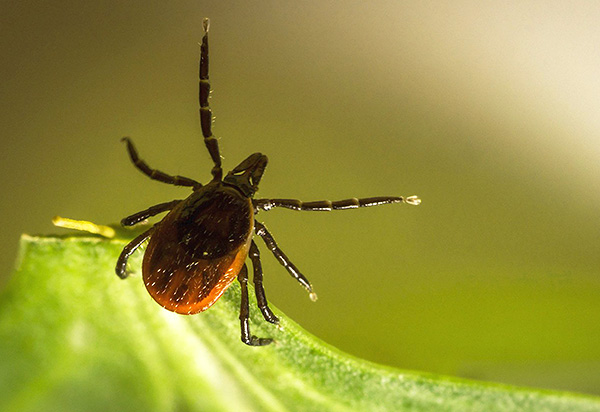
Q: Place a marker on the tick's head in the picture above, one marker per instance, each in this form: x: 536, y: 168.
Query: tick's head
x: 247, y: 174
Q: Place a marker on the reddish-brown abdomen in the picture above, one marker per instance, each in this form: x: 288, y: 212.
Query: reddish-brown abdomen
x: 186, y: 278
x: 194, y: 289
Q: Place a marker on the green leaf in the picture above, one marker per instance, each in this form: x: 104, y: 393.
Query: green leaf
x: 74, y: 337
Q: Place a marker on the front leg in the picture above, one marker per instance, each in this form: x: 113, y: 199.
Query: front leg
x: 327, y: 205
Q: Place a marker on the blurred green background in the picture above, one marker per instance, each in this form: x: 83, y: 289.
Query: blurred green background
x: 488, y: 111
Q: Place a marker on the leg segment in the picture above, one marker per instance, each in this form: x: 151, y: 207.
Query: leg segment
x: 205, y: 113
x: 151, y: 211
x: 157, y: 174
x: 121, y: 268
x: 261, y: 298
x: 247, y: 338
x: 327, y: 205
x: 261, y: 231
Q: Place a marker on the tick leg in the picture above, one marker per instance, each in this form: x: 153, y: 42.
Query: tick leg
x: 151, y: 211
x: 121, y: 268
x: 327, y: 205
x: 262, y: 231
x: 205, y: 113
x: 247, y: 338
x: 261, y: 298
x: 156, y: 174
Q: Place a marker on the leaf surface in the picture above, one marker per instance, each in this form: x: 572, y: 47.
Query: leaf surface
x: 74, y: 337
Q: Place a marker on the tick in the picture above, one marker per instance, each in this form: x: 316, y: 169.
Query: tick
x: 200, y: 247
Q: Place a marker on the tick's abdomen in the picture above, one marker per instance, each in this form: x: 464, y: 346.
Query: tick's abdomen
x: 198, y: 249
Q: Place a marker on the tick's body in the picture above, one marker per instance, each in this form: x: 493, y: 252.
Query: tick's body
x: 197, y: 250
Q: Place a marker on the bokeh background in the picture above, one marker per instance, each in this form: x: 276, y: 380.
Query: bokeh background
x: 489, y: 111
